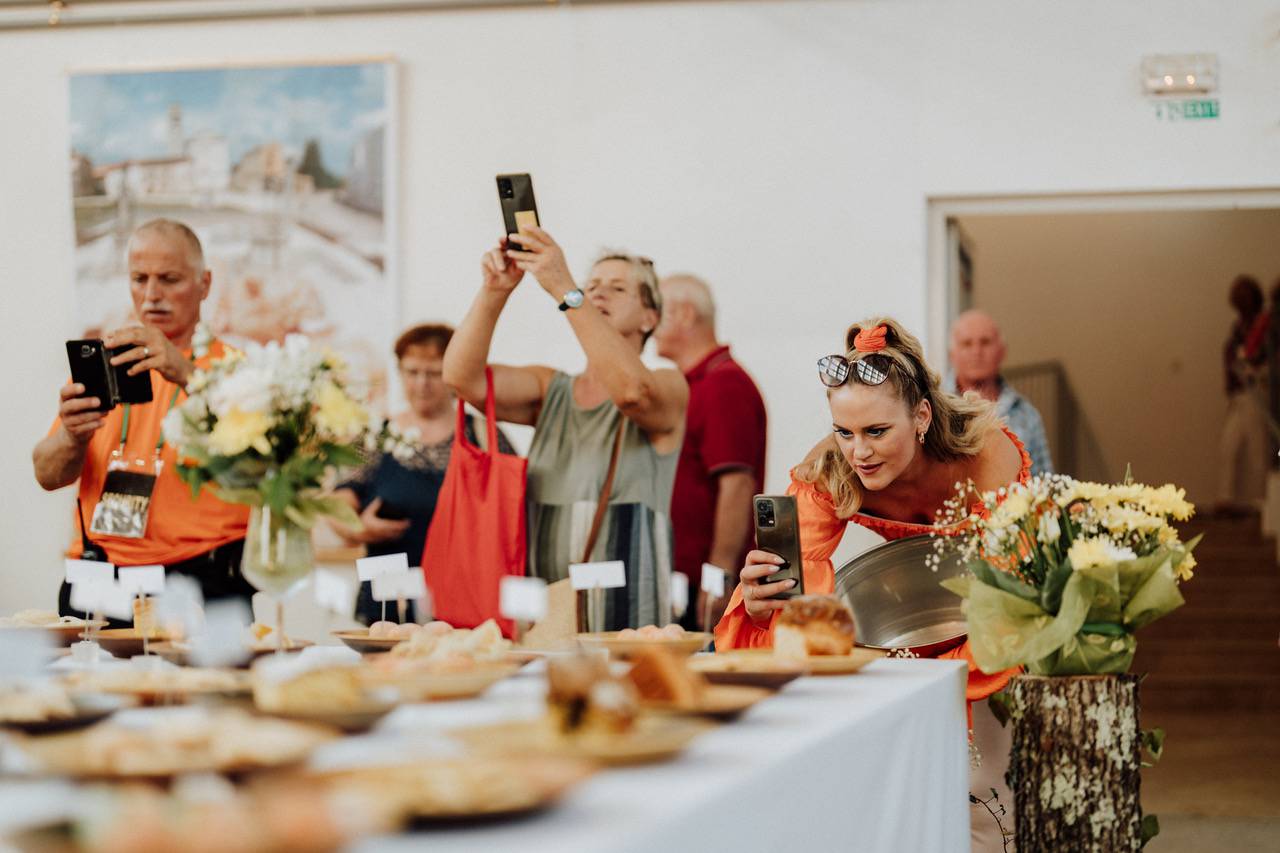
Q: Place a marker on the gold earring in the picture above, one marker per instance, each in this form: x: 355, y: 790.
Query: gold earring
x: 920, y: 435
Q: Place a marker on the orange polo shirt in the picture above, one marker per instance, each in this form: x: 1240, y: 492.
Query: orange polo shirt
x: 179, y: 527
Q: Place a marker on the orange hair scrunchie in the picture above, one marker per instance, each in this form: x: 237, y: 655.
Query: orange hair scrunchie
x: 871, y: 340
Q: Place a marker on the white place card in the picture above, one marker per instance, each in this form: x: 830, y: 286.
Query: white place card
x: 606, y: 575
x: 368, y: 568
x: 333, y: 592
x: 399, y: 585
x: 713, y: 580
x: 522, y: 599
x: 106, y: 597
x: 87, y: 571
x: 679, y: 593
x: 142, y: 580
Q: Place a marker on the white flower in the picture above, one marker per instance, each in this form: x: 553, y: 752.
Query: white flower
x: 1048, y: 529
x: 247, y: 388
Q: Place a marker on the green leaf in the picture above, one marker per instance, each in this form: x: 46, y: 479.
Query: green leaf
x: 1003, y: 581
x: 1156, y: 597
x: 1153, y: 742
x: 1150, y: 828
x: 1001, y: 707
x: 1055, y: 580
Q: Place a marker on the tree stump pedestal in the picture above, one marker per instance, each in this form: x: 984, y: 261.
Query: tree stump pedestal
x: 1074, y: 768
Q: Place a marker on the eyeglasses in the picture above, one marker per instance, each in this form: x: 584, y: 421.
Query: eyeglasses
x: 835, y: 370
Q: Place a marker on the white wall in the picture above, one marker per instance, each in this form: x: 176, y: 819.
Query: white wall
x: 1135, y: 307
x: 784, y: 150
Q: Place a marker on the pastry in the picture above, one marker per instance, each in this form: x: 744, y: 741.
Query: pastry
x: 813, y: 625
x: 37, y: 619
x: 583, y: 695
x: 34, y: 704
x: 329, y: 689
x: 659, y: 676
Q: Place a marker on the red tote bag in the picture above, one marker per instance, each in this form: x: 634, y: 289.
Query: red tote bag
x: 477, y: 535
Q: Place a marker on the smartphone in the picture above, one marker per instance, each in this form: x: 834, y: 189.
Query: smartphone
x: 519, y: 210
x: 90, y: 362
x: 778, y: 532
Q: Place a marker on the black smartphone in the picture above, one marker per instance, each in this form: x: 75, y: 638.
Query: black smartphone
x: 90, y: 362
x: 519, y: 210
x: 778, y: 532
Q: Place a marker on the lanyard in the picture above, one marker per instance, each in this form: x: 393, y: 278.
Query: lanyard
x: 124, y: 424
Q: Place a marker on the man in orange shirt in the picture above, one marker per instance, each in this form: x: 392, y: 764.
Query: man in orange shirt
x: 123, y: 450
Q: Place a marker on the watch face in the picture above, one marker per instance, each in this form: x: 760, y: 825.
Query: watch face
x: 573, y: 299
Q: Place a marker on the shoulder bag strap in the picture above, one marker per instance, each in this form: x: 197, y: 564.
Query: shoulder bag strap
x: 603, y: 504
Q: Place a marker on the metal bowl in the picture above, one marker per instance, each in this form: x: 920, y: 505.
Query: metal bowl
x: 897, y: 600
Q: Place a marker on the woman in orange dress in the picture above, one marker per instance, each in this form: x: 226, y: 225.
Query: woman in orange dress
x: 898, y: 448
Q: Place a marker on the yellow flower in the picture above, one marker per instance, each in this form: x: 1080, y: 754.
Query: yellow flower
x: 237, y: 431
x: 1096, y: 551
x: 1185, y: 568
x: 337, y: 414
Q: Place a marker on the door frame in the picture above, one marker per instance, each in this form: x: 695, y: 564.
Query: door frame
x: 941, y: 297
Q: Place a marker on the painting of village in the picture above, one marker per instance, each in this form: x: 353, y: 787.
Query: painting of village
x: 283, y: 172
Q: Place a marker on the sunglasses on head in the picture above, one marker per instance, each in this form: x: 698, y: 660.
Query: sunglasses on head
x: 835, y: 370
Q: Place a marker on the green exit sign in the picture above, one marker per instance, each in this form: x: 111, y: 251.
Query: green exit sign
x: 1188, y: 110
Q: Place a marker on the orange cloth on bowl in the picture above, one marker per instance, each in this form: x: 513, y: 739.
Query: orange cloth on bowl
x: 820, y: 533
x: 178, y: 527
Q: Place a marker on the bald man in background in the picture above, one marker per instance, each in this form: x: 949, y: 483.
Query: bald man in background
x: 722, y: 461
x: 977, y: 353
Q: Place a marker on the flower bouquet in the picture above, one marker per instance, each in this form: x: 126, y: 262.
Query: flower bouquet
x: 1061, y: 575
x: 263, y: 426
x: 1062, y: 572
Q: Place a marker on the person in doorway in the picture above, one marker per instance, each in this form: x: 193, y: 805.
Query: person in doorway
x: 202, y: 537
x: 898, y: 447
x: 396, y: 497
x: 977, y: 353
x: 722, y: 460
x: 1245, y: 443
x: 618, y: 415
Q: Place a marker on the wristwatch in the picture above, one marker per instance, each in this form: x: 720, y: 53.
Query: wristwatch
x: 573, y: 299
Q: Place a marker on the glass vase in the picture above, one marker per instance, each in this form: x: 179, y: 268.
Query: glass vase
x: 277, y: 558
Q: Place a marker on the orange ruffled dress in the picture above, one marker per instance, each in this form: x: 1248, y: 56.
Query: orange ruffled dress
x: 820, y: 532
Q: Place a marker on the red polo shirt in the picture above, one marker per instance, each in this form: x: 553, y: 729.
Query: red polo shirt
x: 724, y: 431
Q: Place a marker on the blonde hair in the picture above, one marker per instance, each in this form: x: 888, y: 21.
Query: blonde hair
x: 958, y: 429
x: 645, y: 275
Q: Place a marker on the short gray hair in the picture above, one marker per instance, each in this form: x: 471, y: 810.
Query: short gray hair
x: 175, y: 229
x: 688, y: 289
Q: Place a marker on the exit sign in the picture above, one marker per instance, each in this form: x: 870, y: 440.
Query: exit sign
x: 1188, y: 110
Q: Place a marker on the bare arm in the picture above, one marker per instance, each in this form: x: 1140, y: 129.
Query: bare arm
x: 655, y: 400
x: 58, y: 458
x: 734, y: 490
x: 517, y: 391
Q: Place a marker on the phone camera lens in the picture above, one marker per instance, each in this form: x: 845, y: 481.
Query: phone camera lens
x: 505, y: 189
x: 85, y: 350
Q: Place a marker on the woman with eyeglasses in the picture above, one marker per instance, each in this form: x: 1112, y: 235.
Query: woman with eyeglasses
x: 898, y: 447
x: 606, y: 441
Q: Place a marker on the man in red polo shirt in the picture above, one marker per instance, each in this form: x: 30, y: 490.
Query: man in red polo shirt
x: 722, y: 460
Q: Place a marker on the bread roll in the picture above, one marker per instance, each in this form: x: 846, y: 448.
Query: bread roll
x: 813, y: 625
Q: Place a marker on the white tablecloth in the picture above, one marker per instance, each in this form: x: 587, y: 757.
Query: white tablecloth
x: 877, y: 761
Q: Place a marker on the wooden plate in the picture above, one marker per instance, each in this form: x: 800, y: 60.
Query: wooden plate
x: 462, y: 789
x: 755, y: 671
x: 815, y: 664
x: 270, y: 648
x: 721, y: 701
x: 127, y: 642
x: 63, y: 635
x: 426, y: 686
x: 652, y: 737
x: 364, y: 644
x: 111, y: 751
x: 156, y: 691
x: 351, y: 721
x: 89, y: 709
x: 609, y: 640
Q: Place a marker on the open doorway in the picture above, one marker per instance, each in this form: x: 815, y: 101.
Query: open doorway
x: 1115, y: 311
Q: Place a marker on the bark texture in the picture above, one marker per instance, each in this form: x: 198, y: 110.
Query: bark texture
x: 1075, y: 765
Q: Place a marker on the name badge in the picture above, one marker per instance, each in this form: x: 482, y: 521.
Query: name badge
x: 124, y: 505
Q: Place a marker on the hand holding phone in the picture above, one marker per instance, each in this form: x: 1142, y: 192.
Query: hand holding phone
x: 778, y: 533
x: 90, y: 362
x: 519, y: 209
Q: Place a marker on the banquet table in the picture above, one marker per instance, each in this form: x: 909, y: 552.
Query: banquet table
x: 875, y: 761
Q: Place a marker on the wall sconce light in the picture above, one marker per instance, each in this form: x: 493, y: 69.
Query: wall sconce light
x: 1180, y: 74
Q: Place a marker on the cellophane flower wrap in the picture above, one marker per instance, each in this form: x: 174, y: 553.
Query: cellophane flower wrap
x: 1063, y: 572
x: 263, y: 425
